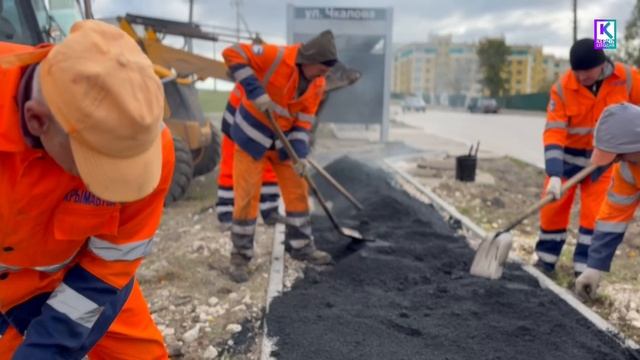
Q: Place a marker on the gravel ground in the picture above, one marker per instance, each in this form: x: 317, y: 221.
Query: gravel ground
x: 201, y: 313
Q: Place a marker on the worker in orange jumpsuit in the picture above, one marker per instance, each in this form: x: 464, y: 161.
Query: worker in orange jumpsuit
x: 289, y: 82
x: 85, y: 165
x: 617, y: 138
x: 269, y: 193
x: 577, y: 100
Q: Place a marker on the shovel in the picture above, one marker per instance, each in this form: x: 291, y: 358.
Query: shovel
x: 493, y: 251
x: 345, y: 231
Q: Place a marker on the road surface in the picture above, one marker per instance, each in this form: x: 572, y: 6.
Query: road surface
x: 516, y: 135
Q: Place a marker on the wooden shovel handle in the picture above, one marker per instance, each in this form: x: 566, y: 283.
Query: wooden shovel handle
x: 550, y: 198
x: 295, y: 159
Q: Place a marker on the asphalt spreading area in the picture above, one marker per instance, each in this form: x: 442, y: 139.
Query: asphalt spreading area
x: 409, y: 295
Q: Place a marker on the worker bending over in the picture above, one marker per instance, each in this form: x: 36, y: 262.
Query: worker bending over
x: 85, y: 164
x: 617, y: 138
x: 289, y: 82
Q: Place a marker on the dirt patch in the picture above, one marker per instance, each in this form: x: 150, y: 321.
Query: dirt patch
x: 410, y: 296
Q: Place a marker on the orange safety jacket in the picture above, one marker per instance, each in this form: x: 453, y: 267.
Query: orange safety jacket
x: 616, y: 213
x: 270, y: 69
x: 573, y: 112
x: 67, y: 258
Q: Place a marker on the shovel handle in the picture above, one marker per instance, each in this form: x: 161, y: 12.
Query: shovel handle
x: 550, y: 198
x: 335, y: 183
x: 282, y: 137
x: 295, y: 159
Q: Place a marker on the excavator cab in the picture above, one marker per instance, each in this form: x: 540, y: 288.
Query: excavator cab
x: 33, y: 22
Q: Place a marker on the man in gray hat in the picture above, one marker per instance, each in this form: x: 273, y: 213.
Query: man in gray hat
x: 289, y: 82
x: 617, y: 139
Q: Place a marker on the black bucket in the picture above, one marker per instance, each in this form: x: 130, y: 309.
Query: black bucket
x: 466, y: 168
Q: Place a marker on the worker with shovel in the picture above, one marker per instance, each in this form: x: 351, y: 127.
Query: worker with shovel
x: 617, y: 138
x: 577, y: 100
x: 289, y: 82
x: 85, y: 164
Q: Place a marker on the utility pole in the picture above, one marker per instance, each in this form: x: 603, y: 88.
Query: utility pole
x: 575, y: 20
x: 88, y: 9
x: 237, y: 4
x: 215, y: 82
x: 190, y: 40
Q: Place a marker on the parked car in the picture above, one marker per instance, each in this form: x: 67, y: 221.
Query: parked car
x: 414, y: 103
x: 483, y: 105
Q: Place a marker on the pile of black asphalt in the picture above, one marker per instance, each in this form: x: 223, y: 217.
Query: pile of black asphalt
x: 409, y: 295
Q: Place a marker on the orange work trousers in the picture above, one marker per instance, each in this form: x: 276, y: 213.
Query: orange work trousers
x: 247, y: 179
x: 554, y: 221
x: 269, y: 192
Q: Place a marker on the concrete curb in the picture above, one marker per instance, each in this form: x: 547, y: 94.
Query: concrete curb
x: 545, y: 282
x: 276, y: 278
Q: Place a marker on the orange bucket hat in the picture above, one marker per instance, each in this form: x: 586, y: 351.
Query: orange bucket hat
x: 103, y: 91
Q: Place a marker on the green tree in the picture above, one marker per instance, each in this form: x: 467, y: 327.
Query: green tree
x: 492, y: 54
x: 631, y: 44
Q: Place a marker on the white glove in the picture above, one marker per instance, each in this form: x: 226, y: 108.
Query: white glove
x: 554, y: 186
x: 302, y: 167
x: 263, y: 103
x: 587, y: 284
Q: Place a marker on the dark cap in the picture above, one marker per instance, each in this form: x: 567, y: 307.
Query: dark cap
x: 583, y: 56
x: 319, y: 50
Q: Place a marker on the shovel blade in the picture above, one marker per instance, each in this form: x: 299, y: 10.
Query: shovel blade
x: 353, y: 234
x: 491, y: 256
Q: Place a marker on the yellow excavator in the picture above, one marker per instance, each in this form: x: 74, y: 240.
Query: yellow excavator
x: 197, y: 142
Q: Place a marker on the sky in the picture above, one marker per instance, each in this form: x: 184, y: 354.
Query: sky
x: 538, y: 22
x: 547, y: 23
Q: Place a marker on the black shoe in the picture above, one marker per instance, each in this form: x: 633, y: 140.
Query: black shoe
x: 239, y: 269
